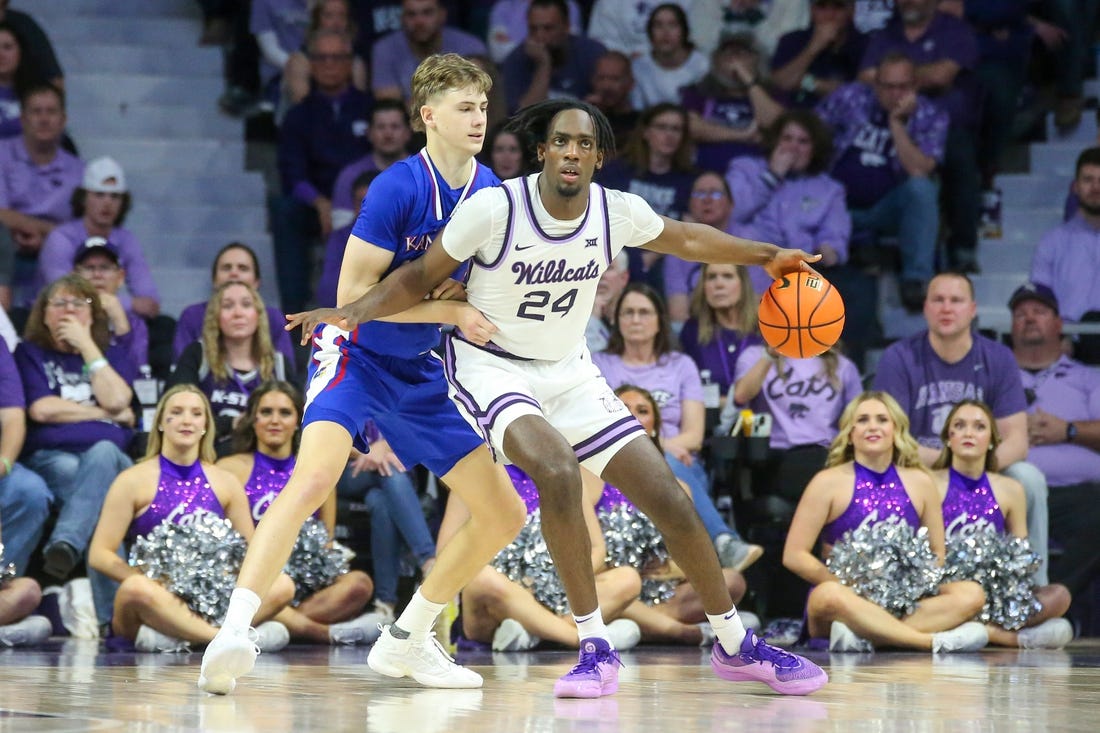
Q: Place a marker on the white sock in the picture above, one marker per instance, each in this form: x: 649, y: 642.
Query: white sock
x: 591, y: 626
x: 419, y: 615
x: 729, y: 630
x: 243, y: 605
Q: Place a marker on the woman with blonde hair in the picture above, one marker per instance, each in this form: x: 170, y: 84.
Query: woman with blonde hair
x: 233, y: 357
x: 984, y: 516
x: 177, y: 482
x: 873, y: 475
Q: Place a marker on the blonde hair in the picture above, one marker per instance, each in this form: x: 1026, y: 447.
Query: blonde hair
x: 704, y: 314
x: 156, y: 437
x: 905, y: 445
x: 214, y: 344
x: 441, y: 73
x: 947, y: 456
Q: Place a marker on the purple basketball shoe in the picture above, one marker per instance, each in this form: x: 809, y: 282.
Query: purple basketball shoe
x: 596, y: 674
x: 757, y: 661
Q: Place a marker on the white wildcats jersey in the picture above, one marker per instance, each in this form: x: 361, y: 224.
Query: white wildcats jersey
x: 539, y: 289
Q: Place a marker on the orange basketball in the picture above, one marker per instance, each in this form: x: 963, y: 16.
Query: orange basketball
x: 801, y: 315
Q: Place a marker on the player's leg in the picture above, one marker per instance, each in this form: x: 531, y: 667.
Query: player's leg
x: 323, y: 453
x: 639, y: 470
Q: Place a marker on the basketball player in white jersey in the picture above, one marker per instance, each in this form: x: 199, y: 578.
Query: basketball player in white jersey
x: 538, y: 246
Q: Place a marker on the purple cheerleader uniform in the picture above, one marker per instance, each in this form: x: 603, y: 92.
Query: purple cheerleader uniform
x: 183, y: 492
x: 877, y: 496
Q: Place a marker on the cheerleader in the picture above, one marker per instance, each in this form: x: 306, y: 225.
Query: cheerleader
x: 986, y: 530
x: 330, y: 599
x: 176, y: 483
x: 873, y: 476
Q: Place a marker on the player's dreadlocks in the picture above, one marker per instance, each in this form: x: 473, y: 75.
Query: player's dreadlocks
x: 532, y: 126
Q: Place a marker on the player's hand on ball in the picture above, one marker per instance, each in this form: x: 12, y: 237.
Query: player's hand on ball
x: 475, y: 326
x: 790, y: 260
x: 309, y: 320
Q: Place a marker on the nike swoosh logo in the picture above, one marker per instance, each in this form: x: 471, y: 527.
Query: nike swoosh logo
x: 521, y: 247
x: 730, y: 615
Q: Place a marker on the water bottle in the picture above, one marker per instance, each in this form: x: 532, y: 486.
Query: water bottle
x: 712, y: 394
x: 147, y: 390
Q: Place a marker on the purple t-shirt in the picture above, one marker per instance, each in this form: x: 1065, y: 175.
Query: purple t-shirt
x: 667, y: 193
x: 1068, y: 260
x: 56, y: 259
x: 927, y: 387
x: 1071, y: 391
x: 836, y: 64
x: 673, y: 380
x: 11, y: 386
x: 10, y: 123
x: 573, y: 79
x: 735, y: 112
x: 804, y: 404
x: 189, y: 330
x: 393, y: 62
x: 865, y: 159
x: 289, y: 19
x: 343, y: 195
x: 42, y: 191
x: 947, y: 38
x: 720, y: 355
x: 53, y: 373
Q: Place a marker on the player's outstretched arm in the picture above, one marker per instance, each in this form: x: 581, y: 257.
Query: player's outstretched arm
x: 703, y: 243
x: 402, y: 289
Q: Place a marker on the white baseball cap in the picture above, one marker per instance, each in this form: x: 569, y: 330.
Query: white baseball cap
x: 104, y: 175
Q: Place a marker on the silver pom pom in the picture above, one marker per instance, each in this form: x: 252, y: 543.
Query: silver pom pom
x: 887, y: 563
x: 1003, y: 565
x: 314, y: 564
x: 198, y: 562
x: 527, y: 561
x: 633, y: 541
x: 7, y: 569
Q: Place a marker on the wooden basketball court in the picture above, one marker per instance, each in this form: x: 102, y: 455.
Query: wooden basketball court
x: 75, y: 686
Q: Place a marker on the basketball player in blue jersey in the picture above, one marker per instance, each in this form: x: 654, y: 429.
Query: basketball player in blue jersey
x: 538, y: 246
x: 384, y: 371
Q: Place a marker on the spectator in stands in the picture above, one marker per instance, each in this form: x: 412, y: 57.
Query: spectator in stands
x: 332, y: 15
x: 765, y: 21
x: 16, y: 76
x: 77, y: 385
x: 389, y: 135
x: 388, y: 488
x: 503, y: 152
x: 873, y: 15
x: 656, y: 164
x: 888, y: 142
x: 423, y: 32
x: 805, y: 398
x: 672, y: 62
x: 24, y: 497
x: 612, y: 84
x: 929, y: 372
x: 552, y: 62
x: 640, y: 352
x: 508, y: 26
x: 722, y: 326
x: 788, y: 198
x: 812, y: 63
x: 1076, y: 22
x: 235, y: 262
x: 1063, y: 425
x: 945, y: 51
x: 99, y: 208
x: 875, y: 454
x: 711, y: 203
x: 729, y: 107
x: 37, y: 48
x: 37, y: 180
x: 175, y: 483
x: 233, y: 357
x: 99, y: 262
x: 336, y: 245
x: 264, y: 444
x: 280, y: 29
x: 321, y: 135
x: 611, y: 284
x: 621, y: 24
x: 1064, y: 259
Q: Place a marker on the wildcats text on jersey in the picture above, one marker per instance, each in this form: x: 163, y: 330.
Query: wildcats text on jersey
x: 553, y: 271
